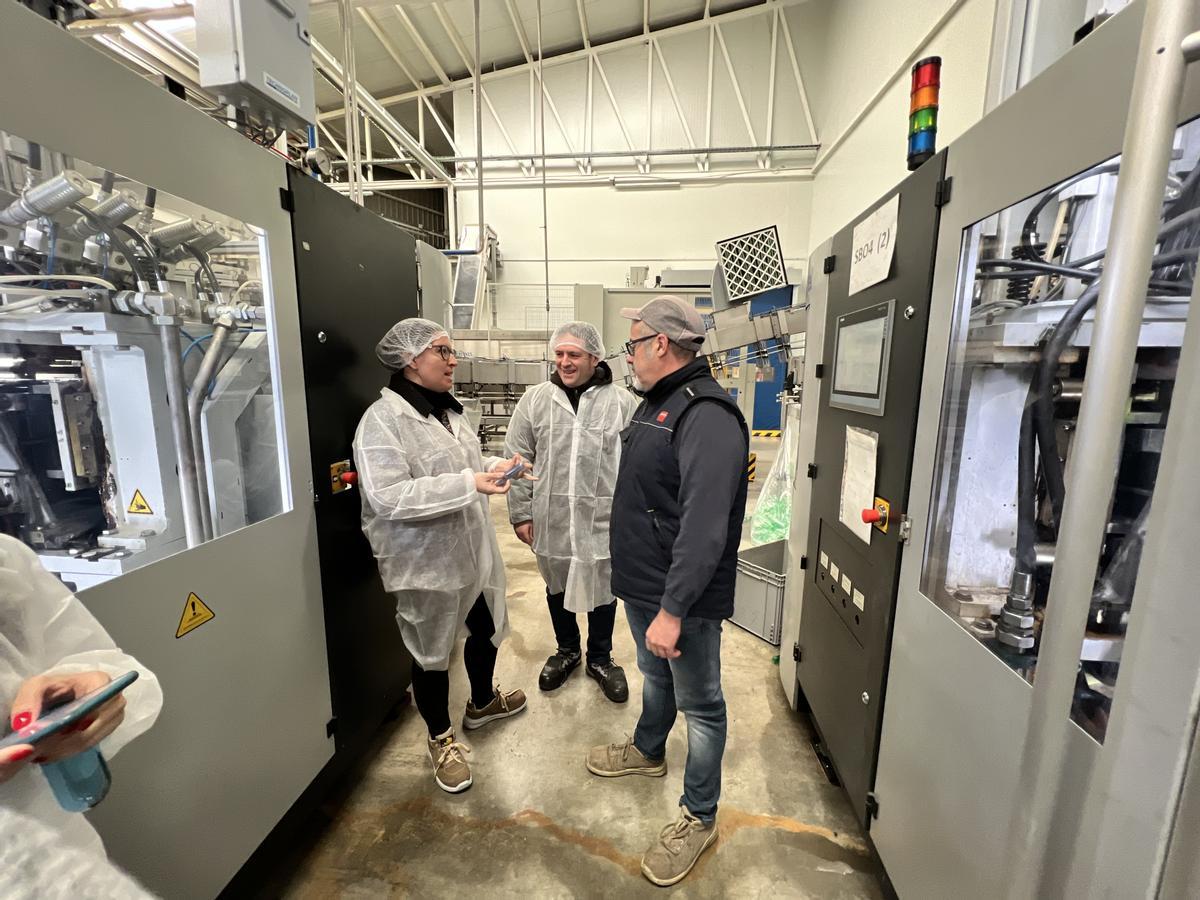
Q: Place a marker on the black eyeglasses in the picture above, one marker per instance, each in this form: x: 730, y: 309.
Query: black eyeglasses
x: 629, y: 345
x: 444, y: 352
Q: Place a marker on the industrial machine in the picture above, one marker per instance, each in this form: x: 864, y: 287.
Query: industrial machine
x: 495, y: 386
x: 1040, y: 694
x: 876, y: 300
x: 185, y: 348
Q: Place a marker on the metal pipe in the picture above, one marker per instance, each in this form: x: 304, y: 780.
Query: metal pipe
x: 222, y: 328
x: 185, y: 460
x: 479, y: 135
x: 1145, y: 156
x: 47, y: 198
x: 607, y: 154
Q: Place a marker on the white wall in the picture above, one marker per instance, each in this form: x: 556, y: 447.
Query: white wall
x: 597, y: 233
x: 866, y: 40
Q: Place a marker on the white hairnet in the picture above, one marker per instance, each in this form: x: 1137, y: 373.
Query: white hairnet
x: 406, y: 340
x: 578, y: 334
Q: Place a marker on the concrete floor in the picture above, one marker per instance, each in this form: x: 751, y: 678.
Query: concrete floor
x: 537, y: 824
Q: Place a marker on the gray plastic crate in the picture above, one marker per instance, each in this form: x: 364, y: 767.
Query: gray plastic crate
x: 758, y: 595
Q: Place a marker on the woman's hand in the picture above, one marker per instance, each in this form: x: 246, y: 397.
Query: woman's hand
x: 13, y: 760
x: 46, y: 691
x: 507, y: 465
x: 488, y: 483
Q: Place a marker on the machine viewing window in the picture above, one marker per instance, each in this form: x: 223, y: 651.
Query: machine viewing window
x: 1028, y: 281
x: 860, y: 359
x: 137, y: 397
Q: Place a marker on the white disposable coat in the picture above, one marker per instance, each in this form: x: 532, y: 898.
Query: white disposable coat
x: 575, y: 457
x: 45, y: 629
x: 429, y: 527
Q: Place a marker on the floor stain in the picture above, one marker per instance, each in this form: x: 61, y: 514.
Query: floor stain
x: 734, y: 820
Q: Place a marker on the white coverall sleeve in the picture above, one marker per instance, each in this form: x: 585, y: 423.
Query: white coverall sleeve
x: 65, y: 638
x: 389, y: 486
x: 520, y: 439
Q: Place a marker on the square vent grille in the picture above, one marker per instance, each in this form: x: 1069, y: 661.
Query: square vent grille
x: 752, y: 263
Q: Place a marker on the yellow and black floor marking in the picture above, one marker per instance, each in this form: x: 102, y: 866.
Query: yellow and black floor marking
x: 766, y: 433
x: 751, y: 466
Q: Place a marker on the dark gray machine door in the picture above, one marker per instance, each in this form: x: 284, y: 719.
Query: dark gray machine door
x: 844, y: 645
x: 357, y: 276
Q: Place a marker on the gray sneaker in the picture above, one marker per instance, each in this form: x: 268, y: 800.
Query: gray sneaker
x: 677, y: 849
x: 611, y: 760
x: 450, y: 769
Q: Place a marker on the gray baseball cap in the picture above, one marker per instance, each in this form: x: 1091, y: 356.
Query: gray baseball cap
x: 676, y: 318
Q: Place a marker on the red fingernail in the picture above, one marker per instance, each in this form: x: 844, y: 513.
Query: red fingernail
x: 23, y: 753
x: 20, y: 720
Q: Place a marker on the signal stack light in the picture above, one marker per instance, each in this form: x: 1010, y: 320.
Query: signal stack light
x: 923, y: 110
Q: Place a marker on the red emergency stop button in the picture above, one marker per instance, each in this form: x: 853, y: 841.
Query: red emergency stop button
x: 871, y: 516
x: 349, y: 478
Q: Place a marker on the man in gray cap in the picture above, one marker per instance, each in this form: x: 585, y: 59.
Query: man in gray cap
x: 677, y: 517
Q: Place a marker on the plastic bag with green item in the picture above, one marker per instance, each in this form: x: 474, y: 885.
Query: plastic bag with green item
x: 773, y: 511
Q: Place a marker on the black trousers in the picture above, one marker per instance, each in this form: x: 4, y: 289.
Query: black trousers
x: 431, y: 690
x: 566, y: 628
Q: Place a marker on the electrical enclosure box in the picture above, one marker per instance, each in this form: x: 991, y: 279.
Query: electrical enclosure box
x: 257, y: 56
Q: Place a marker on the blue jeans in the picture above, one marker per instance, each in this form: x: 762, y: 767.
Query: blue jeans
x: 691, y: 683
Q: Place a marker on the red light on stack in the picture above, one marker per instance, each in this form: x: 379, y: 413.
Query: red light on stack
x: 923, y: 110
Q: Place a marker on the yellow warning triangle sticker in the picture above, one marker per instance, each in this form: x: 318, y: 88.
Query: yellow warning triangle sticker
x: 138, y: 504
x: 195, y: 614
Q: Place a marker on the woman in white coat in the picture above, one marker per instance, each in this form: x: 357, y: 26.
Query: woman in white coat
x: 52, y: 648
x: 425, y: 488
x: 570, y: 428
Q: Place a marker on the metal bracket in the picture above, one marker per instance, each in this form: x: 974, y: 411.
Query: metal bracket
x: 796, y: 652
x: 830, y: 264
x: 286, y: 200
x: 872, y: 805
x: 804, y: 562
x: 812, y: 470
x: 905, y: 529
x: 942, y: 194
x: 331, y: 727
x: 819, y: 371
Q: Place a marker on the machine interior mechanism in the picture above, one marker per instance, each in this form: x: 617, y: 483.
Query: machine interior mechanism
x: 137, y: 409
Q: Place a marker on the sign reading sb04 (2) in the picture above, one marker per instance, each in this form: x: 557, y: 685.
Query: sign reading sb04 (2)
x: 874, y: 246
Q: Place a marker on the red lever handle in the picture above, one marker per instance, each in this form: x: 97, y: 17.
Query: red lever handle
x: 349, y: 478
x: 871, y: 516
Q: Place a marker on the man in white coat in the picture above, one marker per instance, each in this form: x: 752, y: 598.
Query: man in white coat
x: 425, y: 488
x: 570, y: 428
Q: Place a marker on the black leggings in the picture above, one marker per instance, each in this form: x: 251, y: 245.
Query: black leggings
x: 431, y: 690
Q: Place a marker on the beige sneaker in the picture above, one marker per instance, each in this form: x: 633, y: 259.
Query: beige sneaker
x: 502, y: 706
x: 611, y: 760
x: 450, y: 769
x: 677, y: 849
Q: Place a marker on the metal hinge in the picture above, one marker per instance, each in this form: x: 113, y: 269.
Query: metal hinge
x: 941, y: 194
x: 830, y: 264
x: 804, y: 562
x: 812, y: 470
x: 819, y: 371
x: 796, y: 652
x: 905, y: 529
x: 872, y: 805
x: 286, y: 200
x: 331, y: 727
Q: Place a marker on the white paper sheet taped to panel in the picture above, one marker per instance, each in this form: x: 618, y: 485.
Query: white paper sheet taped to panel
x: 874, y: 246
x: 858, y: 480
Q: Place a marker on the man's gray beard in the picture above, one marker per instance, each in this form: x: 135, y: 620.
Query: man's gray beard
x: 638, y: 385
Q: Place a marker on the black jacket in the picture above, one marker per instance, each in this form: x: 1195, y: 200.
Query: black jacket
x: 680, y: 498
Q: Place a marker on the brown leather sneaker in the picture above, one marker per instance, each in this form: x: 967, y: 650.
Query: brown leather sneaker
x: 611, y: 760
x: 677, y: 849
x: 502, y: 706
x: 450, y: 769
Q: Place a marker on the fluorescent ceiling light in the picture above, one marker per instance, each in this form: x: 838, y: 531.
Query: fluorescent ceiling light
x: 644, y: 184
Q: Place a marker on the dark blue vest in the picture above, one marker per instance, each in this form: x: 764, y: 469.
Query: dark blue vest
x: 646, y: 510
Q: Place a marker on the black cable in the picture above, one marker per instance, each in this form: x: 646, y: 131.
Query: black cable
x: 151, y: 256
x: 1030, y: 225
x: 202, y: 259
x: 1168, y: 227
x: 1026, y: 559
x: 1052, y: 467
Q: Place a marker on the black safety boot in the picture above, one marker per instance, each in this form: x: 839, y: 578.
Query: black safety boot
x: 611, y: 678
x: 557, y: 669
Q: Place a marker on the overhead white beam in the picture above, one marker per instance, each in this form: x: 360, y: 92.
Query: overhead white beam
x: 331, y: 68
x: 737, y: 88
x: 522, y: 38
x: 649, y: 98
x: 512, y: 148
x: 613, y: 100
x: 589, y: 123
x: 562, y: 129
x: 662, y: 61
x: 766, y: 157
x: 708, y: 106
x: 583, y: 25
x: 389, y: 46
x: 645, y: 16
x: 422, y: 45
x: 332, y: 140
x: 562, y: 59
x: 791, y: 48
x: 800, y: 173
x: 442, y: 127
